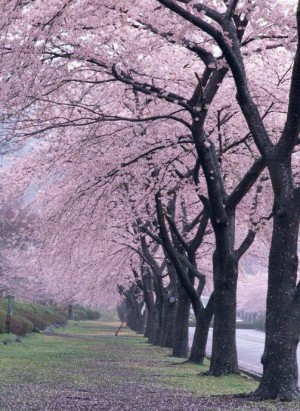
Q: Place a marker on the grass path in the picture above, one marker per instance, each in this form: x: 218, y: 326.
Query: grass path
x: 84, y: 366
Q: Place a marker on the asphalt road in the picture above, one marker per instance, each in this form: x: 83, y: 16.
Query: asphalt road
x: 250, y: 346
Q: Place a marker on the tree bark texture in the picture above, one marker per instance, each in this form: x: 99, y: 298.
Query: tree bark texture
x: 225, y: 267
x: 159, y: 321
x: 168, y: 326
x: 149, y: 301
x: 181, y: 332
x: 280, y: 375
x: 70, y: 312
x: 203, y: 320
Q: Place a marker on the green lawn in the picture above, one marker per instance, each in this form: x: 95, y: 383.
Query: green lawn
x: 86, y: 357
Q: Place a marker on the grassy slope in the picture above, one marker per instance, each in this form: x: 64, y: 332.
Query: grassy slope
x: 84, y: 366
x: 27, y: 315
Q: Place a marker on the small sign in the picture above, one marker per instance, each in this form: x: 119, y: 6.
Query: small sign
x: 10, y: 304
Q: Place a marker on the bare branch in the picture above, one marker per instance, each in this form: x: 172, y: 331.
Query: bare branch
x: 176, y: 232
x: 248, y: 240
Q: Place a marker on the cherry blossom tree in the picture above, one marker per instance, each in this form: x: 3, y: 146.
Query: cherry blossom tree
x: 282, y: 328
x: 93, y: 93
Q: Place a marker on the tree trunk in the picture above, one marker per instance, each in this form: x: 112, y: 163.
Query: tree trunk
x: 159, y: 307
x: 130, y: 317
x: 169, y: 313
x: 150, y: 326
x: 150, y: 304
x: 224, y: 353
x: 70, y: 312
x: 198, y: 350
x: 181, y: 334
x: 280, y: 373
x: 203, y: 320
x: 142, y: 321
x: 139, y: 318
x: 121, y: 310
x: 168, y: 324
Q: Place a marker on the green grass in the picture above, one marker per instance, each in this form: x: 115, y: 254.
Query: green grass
x: 28, y: 316
x: 53, y: 358
x: 88, y: 354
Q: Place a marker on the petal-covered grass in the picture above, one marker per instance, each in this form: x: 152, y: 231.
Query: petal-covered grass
x: 84, y: 366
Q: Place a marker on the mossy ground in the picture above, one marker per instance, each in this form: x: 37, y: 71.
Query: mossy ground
x: 84, y: 366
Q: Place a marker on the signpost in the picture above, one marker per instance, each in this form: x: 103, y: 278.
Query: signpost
x: 10, y: 307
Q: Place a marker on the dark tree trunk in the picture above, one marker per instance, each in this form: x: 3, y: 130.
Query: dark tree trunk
x: 149, y: 301
x: 142, y: 321
x: 280, y: 376
x: 70, y: 312
x: 222, y: 216
x: 130, y: 315
x: 155, y: 288
x: 159, y: 308
x: 168, y: 324
x: 198, y: 350
x: 185, y: 277
x: 224, y: 353
x: 131, y: 309
x: 139, y: 318
x: 150, y: 326
x: 203, y: 320
x: 225, y: 267
x: 169, y: 311
x: 121, y: 310
x: 181, y: 332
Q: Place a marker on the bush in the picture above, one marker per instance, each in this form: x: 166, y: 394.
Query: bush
x: 28, y: 316
x: 260, y: 322
x: 2, y: 321
x: 20, y: 326
x: 80, y: 313
x: 93, y: 315
x: 244, y: 325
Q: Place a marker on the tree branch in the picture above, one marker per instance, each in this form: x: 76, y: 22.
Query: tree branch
x: 197, y: 240
x: 137, y: 279
x: 291, y: 129
x: 248, y: 240
x: 176, y: 232
x: 184, y: 280
x: 245, y: 184
x: 190, y: 266
x: 234, y: 58
x: 151, y: 90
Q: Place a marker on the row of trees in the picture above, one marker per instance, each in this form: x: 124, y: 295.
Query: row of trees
x: 163, y: 138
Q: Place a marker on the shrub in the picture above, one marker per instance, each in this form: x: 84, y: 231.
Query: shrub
x: 93, y: 315
x: 28, y: 316
x: 259, y: 323
x: 244, y: 325
x: 20, y: 325
x: 81, y: 313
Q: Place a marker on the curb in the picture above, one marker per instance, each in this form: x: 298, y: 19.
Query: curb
x: 252, y: 374
x: 255, y: 376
